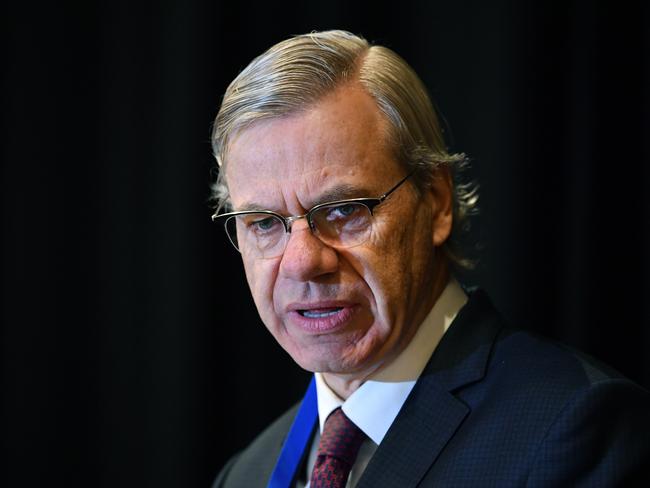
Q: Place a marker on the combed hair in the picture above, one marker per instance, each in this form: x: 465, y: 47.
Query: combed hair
x: 294, y: 74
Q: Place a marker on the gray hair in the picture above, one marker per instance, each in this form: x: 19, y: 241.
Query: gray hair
x: 294, y: 74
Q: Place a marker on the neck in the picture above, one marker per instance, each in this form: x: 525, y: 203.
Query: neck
x: 341, y: 385
x: 346, y: 384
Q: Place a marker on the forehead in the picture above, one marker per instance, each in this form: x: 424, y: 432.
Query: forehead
x: 288, y: 161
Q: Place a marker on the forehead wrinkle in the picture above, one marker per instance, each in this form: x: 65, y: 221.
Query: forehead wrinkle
x: 341, y: 191
x: 294, y: 172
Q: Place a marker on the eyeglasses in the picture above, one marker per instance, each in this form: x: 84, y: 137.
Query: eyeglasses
x: 340, y: 224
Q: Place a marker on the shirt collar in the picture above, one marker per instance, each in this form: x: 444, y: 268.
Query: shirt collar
x: 374, y: 406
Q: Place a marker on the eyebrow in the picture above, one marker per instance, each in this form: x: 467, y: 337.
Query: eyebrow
x: 343, y: 191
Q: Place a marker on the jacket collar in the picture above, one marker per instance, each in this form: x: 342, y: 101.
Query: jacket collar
x: 432, y: 414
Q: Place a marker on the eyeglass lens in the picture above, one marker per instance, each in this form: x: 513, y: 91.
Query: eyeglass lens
x: 338, y: 225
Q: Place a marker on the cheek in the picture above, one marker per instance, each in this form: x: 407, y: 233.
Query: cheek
x: 391, y: 247
x: 379, y: 265
x: 261, y: 277
x: 399, y: 262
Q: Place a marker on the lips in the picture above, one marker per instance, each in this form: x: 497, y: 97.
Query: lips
x: 320, y: 313
x: 321, y: 317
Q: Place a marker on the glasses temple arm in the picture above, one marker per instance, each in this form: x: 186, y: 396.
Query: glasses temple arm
x: 385, y: 195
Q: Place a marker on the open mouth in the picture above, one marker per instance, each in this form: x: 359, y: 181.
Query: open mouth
x: 320, y: 313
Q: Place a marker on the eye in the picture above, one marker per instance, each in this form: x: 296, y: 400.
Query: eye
x: 343, y: 211
x: 267, y: 224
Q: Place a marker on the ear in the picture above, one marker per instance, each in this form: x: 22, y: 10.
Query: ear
x: 442, y: 194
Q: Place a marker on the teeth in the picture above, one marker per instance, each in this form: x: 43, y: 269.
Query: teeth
x: 319, y: 315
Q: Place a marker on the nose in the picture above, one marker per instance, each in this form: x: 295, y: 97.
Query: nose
x: 306, y: 257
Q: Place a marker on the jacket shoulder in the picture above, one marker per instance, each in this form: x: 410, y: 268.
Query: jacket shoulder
x: 545, y: 414
x: 253, y: 466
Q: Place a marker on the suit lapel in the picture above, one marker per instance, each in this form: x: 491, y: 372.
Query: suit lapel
x: 400, y: 460
x: 432, y: 414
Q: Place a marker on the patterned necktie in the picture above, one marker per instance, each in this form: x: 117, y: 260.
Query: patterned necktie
x: 337, y: 451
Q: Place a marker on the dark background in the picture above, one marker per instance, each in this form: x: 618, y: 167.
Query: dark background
x: 132, y: 355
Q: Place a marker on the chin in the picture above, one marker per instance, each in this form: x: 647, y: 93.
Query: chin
x: 321, y: 363
x: 336, y: 366
x: 337, y: 357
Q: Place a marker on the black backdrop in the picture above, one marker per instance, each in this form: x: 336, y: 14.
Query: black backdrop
x: 132, y: 355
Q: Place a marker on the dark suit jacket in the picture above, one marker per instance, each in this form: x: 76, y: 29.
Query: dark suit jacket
x: 500, y: 407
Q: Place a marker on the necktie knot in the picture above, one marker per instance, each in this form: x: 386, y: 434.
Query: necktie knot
x: 337, y: 451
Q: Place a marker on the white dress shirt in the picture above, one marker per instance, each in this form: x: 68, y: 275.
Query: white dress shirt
x: 375, y: 404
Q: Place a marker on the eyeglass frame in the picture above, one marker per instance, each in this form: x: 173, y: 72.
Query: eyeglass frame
x: 369, y: 203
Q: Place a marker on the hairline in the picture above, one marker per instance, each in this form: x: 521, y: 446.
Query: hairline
x: 417, y: 144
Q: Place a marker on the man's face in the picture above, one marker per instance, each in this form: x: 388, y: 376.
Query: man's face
x: 339, y: 311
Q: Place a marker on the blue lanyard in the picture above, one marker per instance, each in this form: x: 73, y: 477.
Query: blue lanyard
x: 297, y: 440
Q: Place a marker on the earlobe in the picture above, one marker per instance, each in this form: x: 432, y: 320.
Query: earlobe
x: 441, y: 189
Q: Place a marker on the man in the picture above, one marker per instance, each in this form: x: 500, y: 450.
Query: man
x: 336, y: 187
